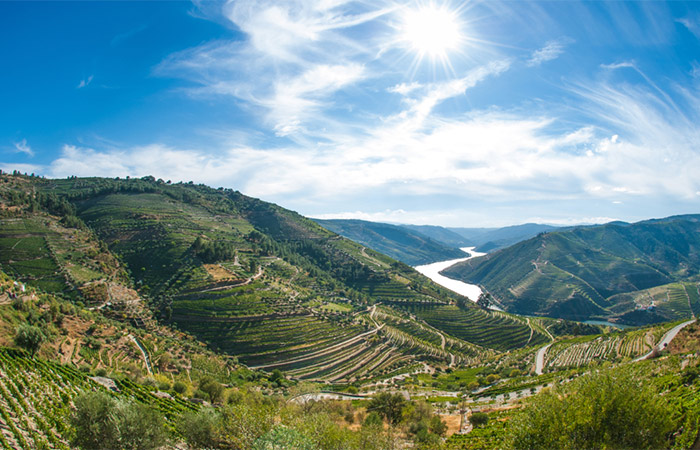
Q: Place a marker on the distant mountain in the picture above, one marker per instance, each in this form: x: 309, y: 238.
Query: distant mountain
x: 442, y: 234
x: 490, y: 239
x: 580, y: 273
x: 403, y: 243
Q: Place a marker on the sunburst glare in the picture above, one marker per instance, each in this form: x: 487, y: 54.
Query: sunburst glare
x: 432, y: 32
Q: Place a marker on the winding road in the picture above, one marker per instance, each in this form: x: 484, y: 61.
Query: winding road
x: 539, y: 359
x: 666, y: 339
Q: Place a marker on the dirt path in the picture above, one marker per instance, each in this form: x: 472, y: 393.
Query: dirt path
x: 372, y: 260
x: 244, y: 283
x: 143, y: 352
x: 532, y: 332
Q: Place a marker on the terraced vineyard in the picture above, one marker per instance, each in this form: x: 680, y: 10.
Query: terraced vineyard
x: 582, y: 351
x: 496, y: 330
x: 36, y: 397
x: 407, y: 331
x: 25, y: 254
x: 676, y: 301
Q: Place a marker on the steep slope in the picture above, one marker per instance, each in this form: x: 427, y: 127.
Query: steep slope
x: 247, y: 277
x: 579, y: 273
x: 400, y: 242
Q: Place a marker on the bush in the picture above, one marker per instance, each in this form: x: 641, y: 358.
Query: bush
x: 200, y: 429
x: 29, y: 338
x: 603, y: 410
x: 479, y: 419
x: 100, y: 421
x: 180, y: 387
x: 213, y: 388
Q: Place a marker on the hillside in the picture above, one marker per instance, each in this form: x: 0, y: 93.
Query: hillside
x: 491, y: 239
x: 248, y: 278
x: 164, y: 298
x: 400, y: 242
x: 596, y: 272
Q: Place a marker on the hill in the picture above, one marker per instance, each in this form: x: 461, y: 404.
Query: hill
x: 248, y: 278
x: 490, y: 239
x: 441, y: 234
x: 400, y: 242
x: 596, y: 272
x: 483, y: 239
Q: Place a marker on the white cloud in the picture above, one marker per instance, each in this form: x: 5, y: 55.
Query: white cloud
x: 552, y: 50
x: 436, y: 93
x: 571, y: 221
x: 295, y: 58
x: 294, y: 99
x: 405, y: 88
x: 620, y: 65
x: 85, y: 82
x: 695, y: 69
x: 485, y: 155
x: 23, y: 147
x: 692, y: 24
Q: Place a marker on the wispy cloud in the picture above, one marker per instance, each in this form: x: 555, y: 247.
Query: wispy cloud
x: 85, y: 82
x: 692, y: 24
x: 296, y: 56
x: 695, y: 69
x: 552, y: 50
x: 23, y: 147
x: 620, y: 65
x: 405, y: 88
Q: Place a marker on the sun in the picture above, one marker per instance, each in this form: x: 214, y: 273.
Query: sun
x: 431, y: 30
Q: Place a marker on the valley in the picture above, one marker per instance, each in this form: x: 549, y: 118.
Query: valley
x: 191, y: 301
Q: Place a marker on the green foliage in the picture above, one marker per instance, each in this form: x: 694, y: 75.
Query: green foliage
x: 484, y: 300
x: 200, y: 429
x: 212, y: 388
x: 29, y: 338
x: 601, y: 410
x: 479, y: 419
x: 390, y: 406
x: 283, y: 438
x: 373, y: 419
x: 100, y: 421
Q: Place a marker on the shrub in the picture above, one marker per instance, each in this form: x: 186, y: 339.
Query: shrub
x: 100, y: 421
x: 479, y: 419
x: 29, y: 338
x: 603, y: 410
x: 180, y: 387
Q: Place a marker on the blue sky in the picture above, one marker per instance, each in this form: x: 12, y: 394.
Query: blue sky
x: 481, y: 113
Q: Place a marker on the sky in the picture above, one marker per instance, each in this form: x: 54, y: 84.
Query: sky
x: 453, y: 113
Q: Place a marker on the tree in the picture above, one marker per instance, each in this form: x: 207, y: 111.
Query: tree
x: 29, y: 338
x: 600, y: 410
x: 484, y: 300
x: 437, y: 426
x: 200, y: 429
x: 390, y: 406
x: 213, y: 388
x: 479, y: 419
x: 100, y: 421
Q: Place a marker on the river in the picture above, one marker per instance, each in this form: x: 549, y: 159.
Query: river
x: 432, y: 271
